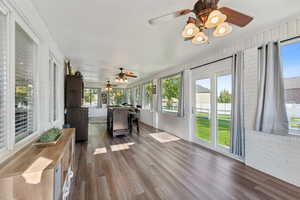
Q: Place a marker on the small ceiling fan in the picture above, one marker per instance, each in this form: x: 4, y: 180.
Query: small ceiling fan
x: 109, y: 86
x: 207, y: 15
x: 122, y: 76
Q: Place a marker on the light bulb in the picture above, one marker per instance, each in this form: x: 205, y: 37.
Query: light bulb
x: 215, y: 18
x: 200, y: 38
x: 222, y: 30
x: 126, y: 81
x: 117, y: 80
x: 190, y: 30
x: 121, y: 80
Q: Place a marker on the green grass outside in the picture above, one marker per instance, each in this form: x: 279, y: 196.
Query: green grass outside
x: 295, y: 125
x: 203, y: 129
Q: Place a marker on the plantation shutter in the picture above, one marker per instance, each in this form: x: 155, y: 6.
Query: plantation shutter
x: 24, y: 84
x: 3, y: 79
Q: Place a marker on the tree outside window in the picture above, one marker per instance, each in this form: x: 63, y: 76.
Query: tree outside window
x: 91, y: 96
x: 170, y: 93
x: 147, y: 95
x: 116, y: 96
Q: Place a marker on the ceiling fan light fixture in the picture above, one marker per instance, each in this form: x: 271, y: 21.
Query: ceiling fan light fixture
x: 215, y: 18
x: 222, y: 29
x: 200, y: 38
x: 117, y: 80
x: 190, y: 30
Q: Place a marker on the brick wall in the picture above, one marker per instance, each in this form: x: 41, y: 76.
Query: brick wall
x: 275, y: 155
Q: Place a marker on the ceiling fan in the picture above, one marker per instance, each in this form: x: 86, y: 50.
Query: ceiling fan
x: 122, y: 76
x: 207, y: 15
x: 109, y: 86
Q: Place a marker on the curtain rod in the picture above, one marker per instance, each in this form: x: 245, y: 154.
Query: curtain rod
x: 211, y: 62
x: 286, y: 40
x: 293, y: 38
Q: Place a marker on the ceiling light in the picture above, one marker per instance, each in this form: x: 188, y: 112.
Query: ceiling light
x: 126, y: 81
x: 121, y: 80
x: 214, y: 19
x: 190, y: 30
x: 222, y: 29
x: 117, y: 80
x: 200, y: 38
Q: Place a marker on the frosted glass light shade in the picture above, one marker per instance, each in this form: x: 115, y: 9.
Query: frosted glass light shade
x: 190, y: 30
x: 200, y: 38
x: 214, y: 19
x: 222, y: 30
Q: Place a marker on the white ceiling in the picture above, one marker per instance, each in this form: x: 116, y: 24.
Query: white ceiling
x: 99, y: 36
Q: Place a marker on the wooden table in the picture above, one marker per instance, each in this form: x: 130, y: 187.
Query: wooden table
x: 32, y: 174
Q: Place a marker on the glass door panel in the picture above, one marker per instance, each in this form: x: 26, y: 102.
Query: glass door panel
x: 224, y: 95
x: 203, y: 109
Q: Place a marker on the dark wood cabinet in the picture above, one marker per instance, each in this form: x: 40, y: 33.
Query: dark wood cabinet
x: 74, y: 91
x: 78, y: 119
x: 76, y: 116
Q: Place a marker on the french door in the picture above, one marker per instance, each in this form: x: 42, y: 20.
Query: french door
x: 211, y: 105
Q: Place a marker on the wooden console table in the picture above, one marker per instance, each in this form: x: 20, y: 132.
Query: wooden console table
x: 39, y: 173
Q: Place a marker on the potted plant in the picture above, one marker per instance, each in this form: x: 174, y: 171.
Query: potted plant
x: 49, y: 138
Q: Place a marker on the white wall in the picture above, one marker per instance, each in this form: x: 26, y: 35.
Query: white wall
x: 275, y: 155
x: 27, y: 14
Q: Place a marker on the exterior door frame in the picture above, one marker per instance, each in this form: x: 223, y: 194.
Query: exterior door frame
x: 212, y: 72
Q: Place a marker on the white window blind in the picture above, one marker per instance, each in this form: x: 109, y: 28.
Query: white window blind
x: 3, y: 80
x: 24, y: 84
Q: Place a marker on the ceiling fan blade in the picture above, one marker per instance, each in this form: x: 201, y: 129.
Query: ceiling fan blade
x: 131, y: 75
x: 235, y: 17
x: 169, y: 16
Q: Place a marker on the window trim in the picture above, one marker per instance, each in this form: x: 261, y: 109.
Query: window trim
x: 53, y: 90
x: 36, y: 108
x: 15, y: 16
x: 160, y: 94
x: 291, y: 132
x: 4, y: 10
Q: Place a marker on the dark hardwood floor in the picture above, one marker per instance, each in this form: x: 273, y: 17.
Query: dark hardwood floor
x: 179, y: 170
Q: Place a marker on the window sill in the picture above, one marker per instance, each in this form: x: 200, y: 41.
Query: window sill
x: 148, y: 110
x: 294, y: 133
x: 5, y: 154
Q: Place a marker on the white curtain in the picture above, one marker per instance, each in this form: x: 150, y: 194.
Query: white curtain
x: 237, y: 112
x: 271, y: 115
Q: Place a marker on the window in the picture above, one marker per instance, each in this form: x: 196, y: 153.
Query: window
x: 53, y: 91
x: 132, y: 96
x: 224, y: 88
x: 91, y: 97
x: 137, y: 96
x: 147, y: 96
x: 116, y: 96
x: 25, y: 50
x: 170, y: 87
x: 203, y: 109
x: 290, y: 54
x: 3, y: 79
x: 127, y: 94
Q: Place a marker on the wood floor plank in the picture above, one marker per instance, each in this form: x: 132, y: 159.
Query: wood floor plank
x: 138, y: 167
